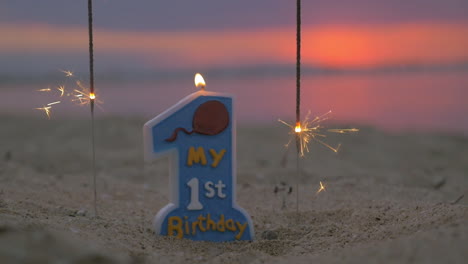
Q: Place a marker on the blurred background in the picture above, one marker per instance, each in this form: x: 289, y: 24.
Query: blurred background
x: 397, y: 65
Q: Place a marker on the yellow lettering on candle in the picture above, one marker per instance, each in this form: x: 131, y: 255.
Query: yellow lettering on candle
x: 210, y: 224
x: 200, y: 221
x: 194, y: 227
x: 230, y: 225
x: 197, y: 156
x: 175, y: 227
x: 241, y: 230
x: 186, y: 225
x: 220, y: 226
x: 216, y: 157
x: 182, y: 226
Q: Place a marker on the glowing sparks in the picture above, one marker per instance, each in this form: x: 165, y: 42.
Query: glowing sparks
x: 46, y: 110
x: 298, y: 128
x: 61, y: 89
x: 79, y: 96
x: 56, y: 102
x: 82, y: 95
x: 343, y: 131
x: 67, y: 73
x: 322, y: 188
x: 74, y: 91
x: 312, y: 130
x: 44, y: 90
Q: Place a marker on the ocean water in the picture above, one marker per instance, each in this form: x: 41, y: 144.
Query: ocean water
x: 403, y: 101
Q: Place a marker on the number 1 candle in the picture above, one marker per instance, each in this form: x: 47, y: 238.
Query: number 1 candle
x: 199, y: 135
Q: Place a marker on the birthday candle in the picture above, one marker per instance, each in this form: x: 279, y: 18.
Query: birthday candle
x: 199, y: 134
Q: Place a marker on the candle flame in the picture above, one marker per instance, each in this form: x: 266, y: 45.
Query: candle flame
x: 199, y: 81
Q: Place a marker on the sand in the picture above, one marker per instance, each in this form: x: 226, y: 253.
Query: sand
x: 389, y: 197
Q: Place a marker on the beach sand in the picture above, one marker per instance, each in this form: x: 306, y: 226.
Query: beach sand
x: 389, y: 198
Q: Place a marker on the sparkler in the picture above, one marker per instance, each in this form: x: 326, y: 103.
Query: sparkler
x: 92, y: 97
x: 82, y: 96
x: 73, y: 91
x: 309, y: 130
x: 306, y: 131
x: 298, y: 128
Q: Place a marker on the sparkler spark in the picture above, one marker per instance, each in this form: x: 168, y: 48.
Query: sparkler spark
x: 84, y: 96
x: 343, y: 131
x: 79, y: 95
x: 67, y: 73
x: 322, y: 188
x: 76, y: 93
x: 44, y: 90
x: 46, y: 110
x: 61, y: 88
x: 312, y: 130
x: 56, y: 102
x: 298, y: 128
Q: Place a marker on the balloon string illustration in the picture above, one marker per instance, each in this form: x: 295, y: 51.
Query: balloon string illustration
x: 177, y: 130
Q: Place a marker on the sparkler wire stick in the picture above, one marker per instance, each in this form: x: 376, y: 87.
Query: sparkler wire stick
x: 298, y: 99
x: 92, y: 96
x: 298, y: 65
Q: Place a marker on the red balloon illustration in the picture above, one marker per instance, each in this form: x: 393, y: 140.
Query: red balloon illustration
x: 210, y: 118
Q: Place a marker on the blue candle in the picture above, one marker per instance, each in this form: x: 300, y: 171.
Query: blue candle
x: 199, y: 135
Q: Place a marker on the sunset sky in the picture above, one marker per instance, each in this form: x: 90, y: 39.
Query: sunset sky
x: 392, y: 64
x: 133, y: 35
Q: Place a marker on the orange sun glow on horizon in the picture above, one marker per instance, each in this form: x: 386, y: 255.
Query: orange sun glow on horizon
x: 348, y: 46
